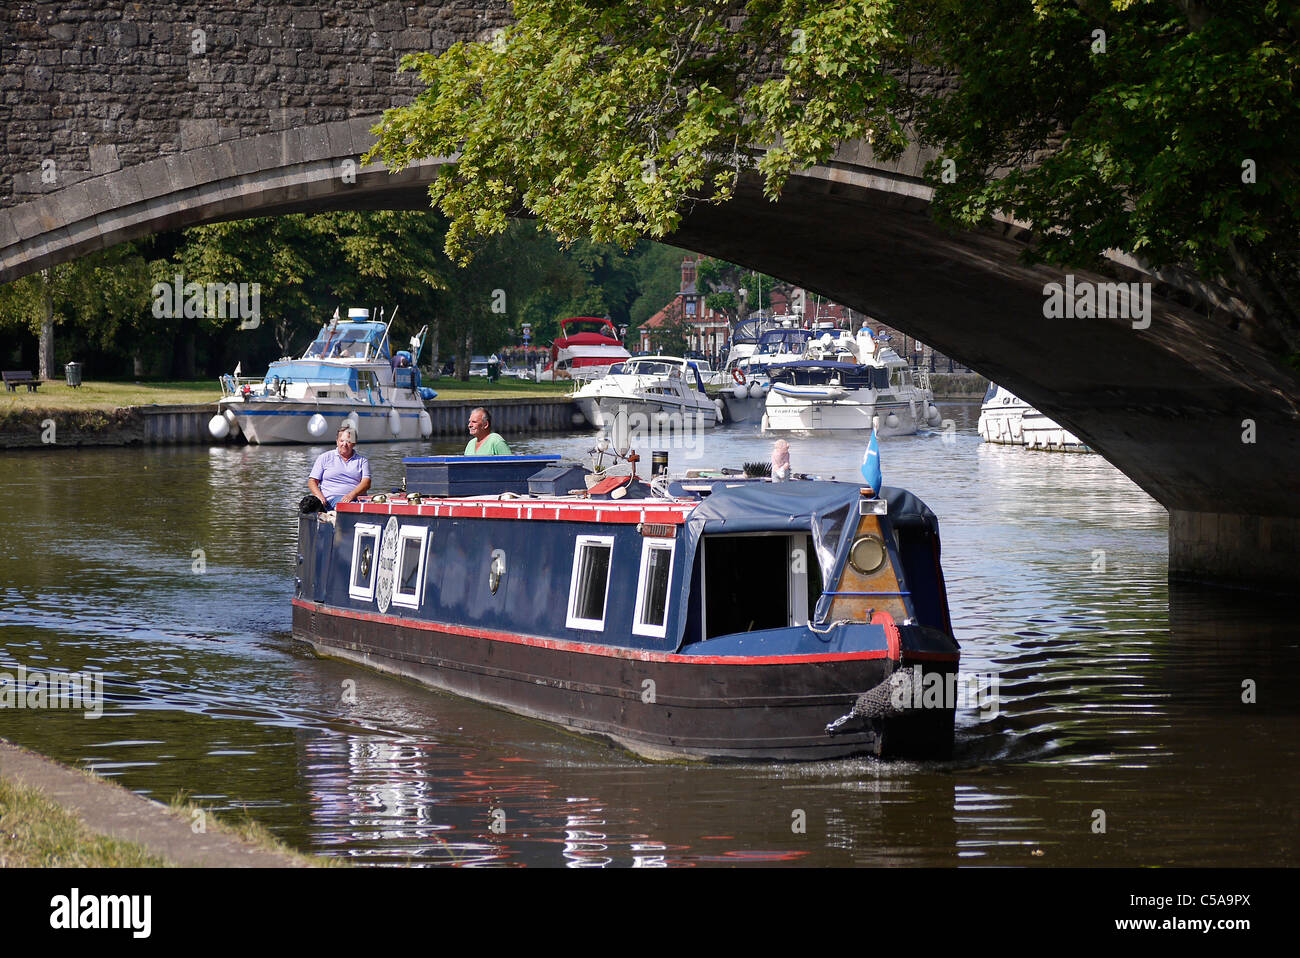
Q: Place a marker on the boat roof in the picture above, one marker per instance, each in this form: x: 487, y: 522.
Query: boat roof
x: 830, y: 364
x: 308, y: 370
x: 593, y: 336
x: 344, y: 338
x: 733, y: 505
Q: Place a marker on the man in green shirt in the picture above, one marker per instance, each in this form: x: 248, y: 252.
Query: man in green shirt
x: 483, y: 441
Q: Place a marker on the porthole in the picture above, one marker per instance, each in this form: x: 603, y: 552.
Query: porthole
x: 868, y: 554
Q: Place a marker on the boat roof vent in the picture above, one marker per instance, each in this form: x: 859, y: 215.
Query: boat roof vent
x: 358, y: 314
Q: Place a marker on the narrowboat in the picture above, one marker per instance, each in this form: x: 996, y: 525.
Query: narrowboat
x: 707, y: 617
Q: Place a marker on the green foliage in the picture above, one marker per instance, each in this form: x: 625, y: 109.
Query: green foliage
x: 610, y: 120
x: 722, y: 283
x: 604, y: 120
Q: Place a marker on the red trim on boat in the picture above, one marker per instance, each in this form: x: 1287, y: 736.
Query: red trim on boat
x: 548, y: 509
x: 892, y: 636
x: 585, y: 648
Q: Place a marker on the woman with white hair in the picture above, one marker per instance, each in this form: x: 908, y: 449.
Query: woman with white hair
x: 341, y: 474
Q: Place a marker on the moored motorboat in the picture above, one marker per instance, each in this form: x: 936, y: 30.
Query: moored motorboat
x: 1006, y: 419
x: 347, y: 374
x: 847, y: 382
x: 655, y: 392
x: 756, y: 345
x: 585, y: 349
x: 713, y: 617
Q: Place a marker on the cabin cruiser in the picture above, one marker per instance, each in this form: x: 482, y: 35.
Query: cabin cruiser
x: 756, y: 345
x: 847, y: 382
x: 661, y: 390
x: 606, y: 604
x: 585, y: 349
x: 347, y: 375
x: 1008, y: 420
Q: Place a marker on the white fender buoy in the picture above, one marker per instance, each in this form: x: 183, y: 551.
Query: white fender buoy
x: 354, y: 421
x: 755, y: 390
x: 394, y: 422
x: 891, y: 420
x: 741, y: 391
x: 717, y: 404
x: 932, y: 414
x: 219, y: 427
x: 426, y: 424
x: 317, y: 425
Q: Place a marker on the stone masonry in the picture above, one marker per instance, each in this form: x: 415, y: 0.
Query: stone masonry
x: 88, y: 87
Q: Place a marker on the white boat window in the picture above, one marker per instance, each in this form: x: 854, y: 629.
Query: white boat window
x: 365, y: 560
x: 651, y: 616
x: 589, y: 585
x: 411, y: 551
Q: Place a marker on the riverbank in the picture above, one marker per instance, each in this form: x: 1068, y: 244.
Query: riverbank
x: 128, y: 414
x: 52, y: 816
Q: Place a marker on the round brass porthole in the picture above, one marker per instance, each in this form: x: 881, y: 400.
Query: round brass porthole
x: 365, y: 563
x: 868, y: 554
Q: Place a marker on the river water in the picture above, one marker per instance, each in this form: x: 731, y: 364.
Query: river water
x: 1133, y: 725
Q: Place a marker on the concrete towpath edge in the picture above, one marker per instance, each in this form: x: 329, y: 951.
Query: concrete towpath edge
x: 111, y: 810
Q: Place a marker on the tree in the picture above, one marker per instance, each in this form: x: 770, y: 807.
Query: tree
x: 1171, y: 136
x: 669, y: 339
x: 723, y: 283
x: 101, y: 292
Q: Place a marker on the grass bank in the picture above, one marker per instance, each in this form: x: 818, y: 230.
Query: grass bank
x: 55, y: 816
x: 35, y: 832
x: 57, y: 396
x: 453, y: 390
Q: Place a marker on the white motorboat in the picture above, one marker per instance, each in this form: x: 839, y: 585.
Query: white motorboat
x: 346, y: 375
x: 585, y: 350
x: 1008, y: 420
x: 848, y: 382
x: 756, y: 345
x: 659, y: 391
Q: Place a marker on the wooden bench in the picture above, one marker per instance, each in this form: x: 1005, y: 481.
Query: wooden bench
x: 13, y: 378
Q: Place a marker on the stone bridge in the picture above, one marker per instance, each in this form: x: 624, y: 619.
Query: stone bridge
x: 125, y: 121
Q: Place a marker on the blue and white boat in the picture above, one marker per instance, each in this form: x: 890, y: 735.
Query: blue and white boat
x: 847, y: 382
x: 756, y: 345
x: 348, y: 374
x: 710, y: 617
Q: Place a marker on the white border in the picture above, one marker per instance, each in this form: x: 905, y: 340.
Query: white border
x: 399, y: 597
x: 360, y: 531
x: 572, y: 621
x: 649, y: 545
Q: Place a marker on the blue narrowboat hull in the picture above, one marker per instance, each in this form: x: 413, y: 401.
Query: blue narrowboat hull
x: 659, y: 706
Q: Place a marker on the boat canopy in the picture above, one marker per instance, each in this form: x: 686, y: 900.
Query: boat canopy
x: 826, y: 509
x: 784, y: 340
x: 350, y: 341
x: 298, y: 371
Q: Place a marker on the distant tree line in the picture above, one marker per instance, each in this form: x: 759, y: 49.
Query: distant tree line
x: 138, y: 310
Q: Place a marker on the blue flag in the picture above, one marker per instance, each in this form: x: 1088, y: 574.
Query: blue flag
x: 871, y: 464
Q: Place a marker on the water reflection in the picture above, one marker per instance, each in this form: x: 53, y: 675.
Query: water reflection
x: 1172, y: 711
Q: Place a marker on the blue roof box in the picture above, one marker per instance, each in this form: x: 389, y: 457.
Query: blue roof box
x: 472, y: 475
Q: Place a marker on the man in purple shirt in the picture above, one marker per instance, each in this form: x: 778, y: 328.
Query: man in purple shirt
x: 342, y: 475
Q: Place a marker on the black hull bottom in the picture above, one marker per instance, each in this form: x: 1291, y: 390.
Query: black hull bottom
x: 659, y: 710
